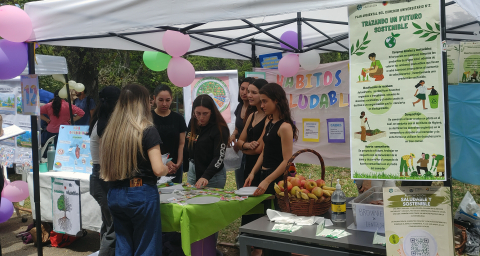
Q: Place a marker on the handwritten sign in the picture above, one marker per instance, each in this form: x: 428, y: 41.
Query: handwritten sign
x: 30, y: 97
x: 370, y: 218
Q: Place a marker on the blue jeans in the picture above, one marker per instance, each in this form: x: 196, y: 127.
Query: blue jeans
x: 217, y: 181
x: 136, y: 217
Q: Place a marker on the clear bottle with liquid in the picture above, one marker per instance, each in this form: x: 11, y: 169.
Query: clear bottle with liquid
x: 339, y: 206
x: 50, y: 156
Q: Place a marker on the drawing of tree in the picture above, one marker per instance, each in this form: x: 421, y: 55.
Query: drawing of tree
x: 63, y: 204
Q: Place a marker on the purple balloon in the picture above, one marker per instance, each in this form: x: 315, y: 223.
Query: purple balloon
x: 6, y: 210
x: 291, y: 38
x: 13, y: 59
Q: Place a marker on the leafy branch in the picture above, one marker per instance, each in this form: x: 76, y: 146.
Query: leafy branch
x: 428, y: 31
x: 359, y: 46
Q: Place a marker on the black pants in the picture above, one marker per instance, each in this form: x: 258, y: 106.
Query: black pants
x: 99, y: 191
x: 421, y: 168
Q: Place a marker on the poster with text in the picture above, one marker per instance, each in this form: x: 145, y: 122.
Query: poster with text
x: 66, y: 206
x: 396, y: 90
x: 453, y: 55
x: 73, y: 150
x: 418, y: 221
x: 469, y: 62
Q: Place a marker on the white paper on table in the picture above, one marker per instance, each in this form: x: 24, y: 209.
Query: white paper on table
x: 164, y: 179
x: 284, y: 217
x: 11, y: 131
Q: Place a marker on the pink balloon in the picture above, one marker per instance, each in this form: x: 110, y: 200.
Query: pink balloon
x: 180, y: 72
x: 175, y: 43
x: 5, y: 183
x: 13, y: 59
x: 288, y: 66
x: 16, y: 191
x: 15, y: 25
x: 6, y: 209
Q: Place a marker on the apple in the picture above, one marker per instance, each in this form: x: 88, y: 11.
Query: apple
x: 294, y: 190
x: 289, y: 178
x: 300, y: 177
x: 295, y: 182
x: 302, y: 183
x: 320, y: 182
x: 305, y: 191
x: 282, y: 187
x: 310, y: 185
x: 317, y: 191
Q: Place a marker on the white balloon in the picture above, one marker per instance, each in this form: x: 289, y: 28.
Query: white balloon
x: 63, y: 93
x: 79, y: 87
x: 309, y: 60
x: 60, y: 78
x: 72, y: 84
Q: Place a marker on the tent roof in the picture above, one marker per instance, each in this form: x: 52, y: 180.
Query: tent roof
x: 139, y: 25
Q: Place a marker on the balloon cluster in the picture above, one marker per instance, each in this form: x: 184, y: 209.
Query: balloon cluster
x: 289, y: 65
x: 180, y: 71
x: 79, y: 87
x: 15, y: 28
x: 12, y: 192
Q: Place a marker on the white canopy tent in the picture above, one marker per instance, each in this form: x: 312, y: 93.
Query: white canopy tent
x: 224, y: 29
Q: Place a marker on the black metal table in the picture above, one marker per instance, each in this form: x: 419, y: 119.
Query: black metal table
x: 258, y: 233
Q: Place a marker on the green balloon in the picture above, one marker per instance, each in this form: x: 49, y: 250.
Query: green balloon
x: 156, y: 61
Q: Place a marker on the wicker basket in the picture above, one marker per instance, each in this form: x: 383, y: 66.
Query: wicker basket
x: 302, y: 207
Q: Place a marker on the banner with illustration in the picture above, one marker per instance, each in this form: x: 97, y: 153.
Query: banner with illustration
x: 396, y: 88
x: 73, y: 149
x: 418, y: 221
x: 469, y: 62
x: 66, y: 210
x: 317, y: 97
x: 222, y: 86
x: 453, y: 55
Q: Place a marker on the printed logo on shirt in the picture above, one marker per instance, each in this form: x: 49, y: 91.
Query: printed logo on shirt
x: 222, y: 155
x: 189, y: 135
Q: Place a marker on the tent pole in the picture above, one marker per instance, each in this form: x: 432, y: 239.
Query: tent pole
x: 325, y: 35
x: 269, y: 34
x: 69, y: 102
x: 325, y: 42
x: 230, y: 51
x: 35, y: 157
x: 254, y: 56
x: 241, y: 41
x: 299, y: 31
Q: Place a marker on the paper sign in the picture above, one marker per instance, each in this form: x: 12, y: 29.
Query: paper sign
x: 30, y: 96
x: 336, y: 130
x: 311, y: 129
x: 270, y: 60
x: 370, y: 218
x: 73, y: 149
x: 256, y: 75
x: 11, y: 131
x: 66, y: 212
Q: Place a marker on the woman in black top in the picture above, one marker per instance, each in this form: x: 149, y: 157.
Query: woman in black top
x: 131, y: 161
x: 171, y: 127
x: 250, y: 141
x: 278, y: 139
x: 240, y: 114
x: 206, y: 143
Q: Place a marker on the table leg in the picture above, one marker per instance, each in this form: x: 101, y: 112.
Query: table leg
x: 244, y: 247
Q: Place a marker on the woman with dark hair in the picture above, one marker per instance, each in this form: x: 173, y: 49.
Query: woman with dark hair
x: 131, y: 161
x: 98, y: 187
x: 171, y: 127
x: 206, y: 143
x: 58, y: 114
x: 240, y: 114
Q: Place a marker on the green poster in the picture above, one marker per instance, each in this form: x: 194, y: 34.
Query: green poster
x: 453, y: 53
x: 469, y: 62
x: 396, y: 91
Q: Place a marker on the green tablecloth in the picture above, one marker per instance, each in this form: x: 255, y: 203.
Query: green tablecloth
x: 197, y: 222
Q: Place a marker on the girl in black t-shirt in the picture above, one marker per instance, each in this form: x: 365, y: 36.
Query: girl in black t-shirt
x: 171, y: 127
x: 206, y: 142
x: 130, y: 160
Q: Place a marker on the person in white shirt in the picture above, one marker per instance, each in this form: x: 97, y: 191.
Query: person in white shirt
x: 421, y: 93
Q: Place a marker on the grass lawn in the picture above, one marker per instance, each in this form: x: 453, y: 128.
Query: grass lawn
x: 229, y: 234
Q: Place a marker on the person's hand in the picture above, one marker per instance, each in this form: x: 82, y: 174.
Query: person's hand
x: 366, y: 185
x: 415, y: 94
x: 236, y: 147
x: 249, y: 180
x: 171, y: 167
x: 231, y: 140
x: 251, y: 145
x: 261, y: 188
x: 366, y: 119
x: 202, y: 182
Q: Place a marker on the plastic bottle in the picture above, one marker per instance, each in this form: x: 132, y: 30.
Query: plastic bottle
x: 339, y: 207
x: 50, y: 156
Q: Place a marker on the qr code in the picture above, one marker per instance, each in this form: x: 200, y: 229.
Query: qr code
x: 419, y: 247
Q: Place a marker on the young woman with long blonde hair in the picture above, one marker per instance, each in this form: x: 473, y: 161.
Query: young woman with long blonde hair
x: 131, y: 161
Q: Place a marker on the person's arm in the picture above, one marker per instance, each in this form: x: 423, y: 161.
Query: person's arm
x: 247, y: 147
x: 216, y: 164
x: 181, y: 144
x: 416, y: 93
x: 286, y: 135
x: 44, y: 109
x: 232, y: 137
x: 155, y: 156
x: 77, y: 111
x: 44, y: 118
x: 255, y: 169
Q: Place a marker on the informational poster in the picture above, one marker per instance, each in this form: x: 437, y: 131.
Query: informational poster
x: 418, y: 221
x: 66, y: 210
x: 73, y: 150
x: 469, y: 62
x: 222, y: 86
x: 30, y: 97
x: 336, y: 130
x: 256, y: 75
x: 396, y: 91
x: 453, y: 55
x: 270, y: 60
x: 311, y: 129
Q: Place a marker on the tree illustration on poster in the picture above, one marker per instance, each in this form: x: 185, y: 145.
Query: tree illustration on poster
x: 63, y: 204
